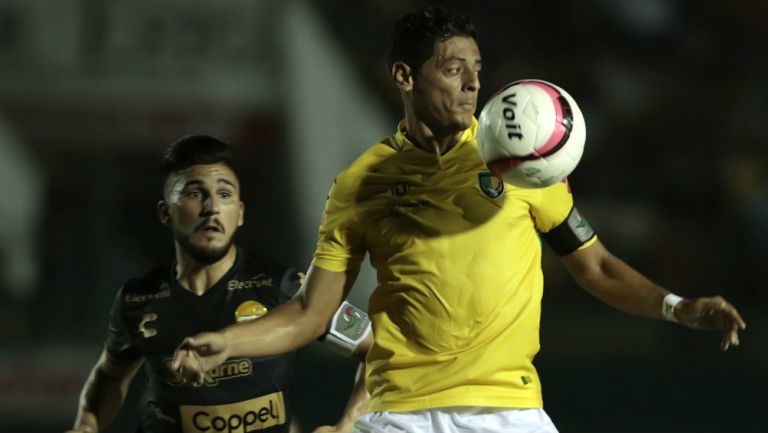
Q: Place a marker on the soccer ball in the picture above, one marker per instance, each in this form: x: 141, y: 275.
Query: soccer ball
x: 531, y: 134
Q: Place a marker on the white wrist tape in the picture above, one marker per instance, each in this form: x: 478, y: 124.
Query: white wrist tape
x: 668, y: 306
x: 348, y: 328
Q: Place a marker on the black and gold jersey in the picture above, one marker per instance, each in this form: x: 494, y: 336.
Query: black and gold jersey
x: 153, y: 314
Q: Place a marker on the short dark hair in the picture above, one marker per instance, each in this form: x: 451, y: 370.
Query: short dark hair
x: 413, y: 38
x: 195, y: 150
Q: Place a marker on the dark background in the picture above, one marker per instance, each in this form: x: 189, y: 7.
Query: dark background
x: 673, y: 179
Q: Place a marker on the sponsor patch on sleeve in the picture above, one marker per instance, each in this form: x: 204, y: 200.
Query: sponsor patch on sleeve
x: 580, y: 226
x: 348, y: 328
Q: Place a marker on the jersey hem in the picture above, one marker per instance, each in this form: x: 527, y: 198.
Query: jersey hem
x: 423, y: 404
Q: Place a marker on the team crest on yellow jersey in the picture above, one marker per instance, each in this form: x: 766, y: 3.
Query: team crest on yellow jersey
x: 491, y: 185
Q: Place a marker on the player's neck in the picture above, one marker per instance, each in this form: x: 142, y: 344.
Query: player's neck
x: 198, y: 277
x: 428, y: 139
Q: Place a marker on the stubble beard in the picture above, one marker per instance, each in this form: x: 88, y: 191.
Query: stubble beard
x: 204, y: 255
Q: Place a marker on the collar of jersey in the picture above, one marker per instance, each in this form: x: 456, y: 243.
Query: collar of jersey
x: 177, y: 289
x: 402, y: 142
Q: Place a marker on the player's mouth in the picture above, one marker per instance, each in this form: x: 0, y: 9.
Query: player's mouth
x: 210, y: 227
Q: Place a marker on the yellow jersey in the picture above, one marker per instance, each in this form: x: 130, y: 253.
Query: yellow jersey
x: 456, y: 311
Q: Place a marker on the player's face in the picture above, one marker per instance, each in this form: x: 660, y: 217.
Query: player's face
x: 445, y: 89
x: 203, y: 209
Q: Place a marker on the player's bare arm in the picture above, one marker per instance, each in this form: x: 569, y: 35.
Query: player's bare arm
x: 103, y: 393
x: 358, y: 400
x: 614, y: 282
x: 287, y: 328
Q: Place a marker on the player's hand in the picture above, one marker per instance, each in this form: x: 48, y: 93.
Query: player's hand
x: 198, y: 354
x: 338, y: 428
x: 345, y: 425
x: 83, y: 429
x: 712, y: 313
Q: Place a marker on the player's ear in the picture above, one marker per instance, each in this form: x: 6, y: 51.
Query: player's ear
x: 402, y: 74
x: 242, y: 214
x: 163, y: 213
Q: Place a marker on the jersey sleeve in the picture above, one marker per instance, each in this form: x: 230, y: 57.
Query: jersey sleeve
x: 340, y: 242
x: 560, y: 223
x: 120, y: 346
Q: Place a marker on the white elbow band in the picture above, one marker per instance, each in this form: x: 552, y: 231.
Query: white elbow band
x: 348, y: 328
x: 668, y: 306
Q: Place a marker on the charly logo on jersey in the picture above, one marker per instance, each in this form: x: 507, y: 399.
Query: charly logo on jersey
x: 250, y: 310
x: 246, y: 416
x: 400, y: 189
x: 145, y: 330
x: 229, y: 370
x: 491, y: 185
x: 255, y: 282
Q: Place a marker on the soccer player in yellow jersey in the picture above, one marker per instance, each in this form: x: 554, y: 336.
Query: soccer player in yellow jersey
x: 458, y: 257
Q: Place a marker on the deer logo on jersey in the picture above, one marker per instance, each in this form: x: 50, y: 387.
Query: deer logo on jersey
x: 147, y: 332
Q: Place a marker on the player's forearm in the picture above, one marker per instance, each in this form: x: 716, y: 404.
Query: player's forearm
x: 283, y: 330
x: 296, y: 323
x: 86, y: 421
x: 622, y: 287
x: 101, y: 398
x: 614, y: 282
x: 358, y: 400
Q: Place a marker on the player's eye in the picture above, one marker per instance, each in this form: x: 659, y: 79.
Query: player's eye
x: 193, y: 194
x: 225, y: 194
x: 454, y: 71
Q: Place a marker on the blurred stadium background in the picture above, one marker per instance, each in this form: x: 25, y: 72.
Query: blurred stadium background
x: 674, y: 179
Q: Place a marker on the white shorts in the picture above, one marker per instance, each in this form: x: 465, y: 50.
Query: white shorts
x: 457, y: 420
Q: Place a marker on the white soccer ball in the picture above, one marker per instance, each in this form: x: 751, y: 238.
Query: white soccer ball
x: 531, y: 134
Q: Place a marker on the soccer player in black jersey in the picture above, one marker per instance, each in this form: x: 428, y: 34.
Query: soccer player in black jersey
x: 211, y: 284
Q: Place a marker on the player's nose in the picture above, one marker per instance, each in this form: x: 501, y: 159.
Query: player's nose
x: 211, y: 206
x: 471, y: 81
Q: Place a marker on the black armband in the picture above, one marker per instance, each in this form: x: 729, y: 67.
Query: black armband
x: 571, y: 234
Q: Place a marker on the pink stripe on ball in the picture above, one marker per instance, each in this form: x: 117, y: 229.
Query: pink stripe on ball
x: 559, y: 130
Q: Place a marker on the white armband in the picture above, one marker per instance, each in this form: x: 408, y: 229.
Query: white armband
x: 348, y: 328
x: 668, y: 306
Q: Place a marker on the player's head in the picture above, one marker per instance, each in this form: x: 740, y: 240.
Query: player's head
x: 434, y: 59
x: 201, y: 197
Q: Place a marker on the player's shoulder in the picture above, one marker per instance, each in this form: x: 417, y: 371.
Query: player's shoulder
x: 558, y: 192
x: 367, y: 162
x: 256, y: 264
x: 564, y: 186
x: 152, y: 285
x: 258, y: 271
